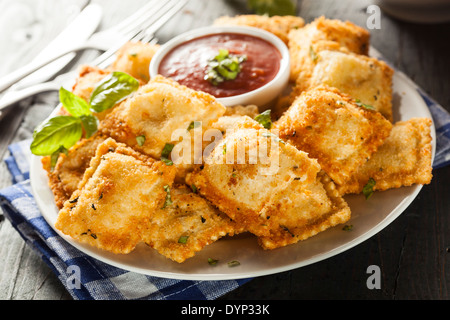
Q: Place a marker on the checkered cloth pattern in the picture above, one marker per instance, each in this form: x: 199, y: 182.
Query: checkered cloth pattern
x: 101, y: 281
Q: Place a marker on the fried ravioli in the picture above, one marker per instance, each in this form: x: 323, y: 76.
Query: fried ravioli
x: 278, y: 25
x: 332, y: 128
x: 116, y: 198
x: 403, y: 160
x: 187, y: 225
x: 69, y: 168
x: 87, y: 79
x: 157, y: 111
x: 366, y: 79
x: 263, y: 194
x: 324, y: 33
x: 134, y: 58
x: 308, y: 214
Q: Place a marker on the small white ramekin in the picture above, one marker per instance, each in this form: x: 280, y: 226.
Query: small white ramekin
x: 260, y: 96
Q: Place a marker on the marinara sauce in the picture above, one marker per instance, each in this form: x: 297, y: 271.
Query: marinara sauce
x: 188, y: 63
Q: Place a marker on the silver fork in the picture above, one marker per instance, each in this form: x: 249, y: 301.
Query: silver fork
x: 112, y: 38
x: 103, y: 61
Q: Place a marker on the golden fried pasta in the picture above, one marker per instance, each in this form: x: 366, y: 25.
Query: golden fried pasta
x: 278, y: 25
x: 134, y: 58
x: 322, y: 34
x: 332, y: 128
x: 268, y: 188
x: 364, y: 78
x: 403, y: 160
x: 69, y: 168
x: 186, y: 225
x: 116, y: 198
x: 156, y: 111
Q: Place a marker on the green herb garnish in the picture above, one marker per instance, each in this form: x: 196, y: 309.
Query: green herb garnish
x: 265, y: 119
x: 272, y: 7
x: 234, y: 263
x: 168, y: 200
x: 312, y: 54
x: 140, y: 140
x: 111, y: 90
x: 61, y: 132
x: 166, y: 153
x: 194, y: 124
x: 212, y: 262
x: 367, y: 106
x: 348, y: 227
x: 54, y: 157
x: 56, y: 133
x: 183, y: 239
x: 368, y: 188
x: 224, y: 66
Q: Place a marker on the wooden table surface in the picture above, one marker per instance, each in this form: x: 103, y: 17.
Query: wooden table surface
x: 413, y: 252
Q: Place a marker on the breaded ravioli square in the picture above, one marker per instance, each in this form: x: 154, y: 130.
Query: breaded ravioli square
x: 186, y: 225
x: 69, y: 168
x: 116, y: 198
x: 304, y: 42
x: 278, y: 25
x: 308, y: 214
x: 156, y: 112
x: 364, y: 78
x: 334, y: 129
x: 403, y: 160
x: 134, y: 58
x: 266, y: 185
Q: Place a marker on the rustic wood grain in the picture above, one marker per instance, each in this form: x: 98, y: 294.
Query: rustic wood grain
x: 412, y: 252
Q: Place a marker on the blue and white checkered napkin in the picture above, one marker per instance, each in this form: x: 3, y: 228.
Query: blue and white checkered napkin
x: 99, y: 281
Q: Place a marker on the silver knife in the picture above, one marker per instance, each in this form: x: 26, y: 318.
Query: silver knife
x: 78, y: 31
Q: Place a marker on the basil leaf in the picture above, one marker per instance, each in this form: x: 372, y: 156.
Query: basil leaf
x: 264, y: 119
x: 89, y: 124
x: 54, y: 133
x: 112, y: 89
x: 55, y: 155
x: 75, y: 105
x: 273, y: 7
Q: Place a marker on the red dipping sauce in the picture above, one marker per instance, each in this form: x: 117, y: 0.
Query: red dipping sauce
x: 187, y: 63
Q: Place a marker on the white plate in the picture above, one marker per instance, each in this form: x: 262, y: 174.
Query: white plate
x: 368, y: 218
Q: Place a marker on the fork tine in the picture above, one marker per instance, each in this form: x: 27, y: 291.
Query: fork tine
x: 132, y: 18
x: 145, y: 35
x: 154, y: 22
x: 144, y: 16
x: 168, y: 14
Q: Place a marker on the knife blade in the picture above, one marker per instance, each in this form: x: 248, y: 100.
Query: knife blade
x: 76, y: 32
